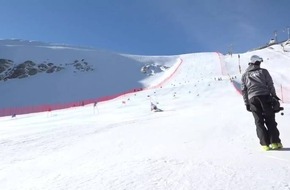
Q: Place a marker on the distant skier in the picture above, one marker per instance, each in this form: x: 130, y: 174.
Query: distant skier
x: 155, y: 108
x: 258, y: 93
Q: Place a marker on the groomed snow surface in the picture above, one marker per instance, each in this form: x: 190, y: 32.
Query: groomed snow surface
x: 205, y: 139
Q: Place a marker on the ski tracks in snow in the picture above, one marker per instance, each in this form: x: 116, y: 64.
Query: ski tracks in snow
x: 163, y: 173
x: 171, y: 174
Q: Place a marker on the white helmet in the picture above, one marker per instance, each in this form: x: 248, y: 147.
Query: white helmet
x: 255, y: 59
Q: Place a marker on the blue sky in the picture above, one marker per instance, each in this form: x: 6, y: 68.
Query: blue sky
x: 148, y: 27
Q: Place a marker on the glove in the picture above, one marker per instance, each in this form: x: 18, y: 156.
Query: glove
x: 277, y: 98
x: 248, y: 107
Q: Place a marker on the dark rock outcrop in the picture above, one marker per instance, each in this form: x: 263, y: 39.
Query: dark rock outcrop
x: 10, y: 70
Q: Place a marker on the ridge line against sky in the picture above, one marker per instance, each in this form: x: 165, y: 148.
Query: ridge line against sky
x: 151, y: 27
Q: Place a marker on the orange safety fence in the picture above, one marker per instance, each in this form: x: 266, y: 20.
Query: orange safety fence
x: 51, y: 107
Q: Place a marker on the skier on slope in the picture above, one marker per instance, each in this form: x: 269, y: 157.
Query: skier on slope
x: 258, y: 93
x: 155, y: 108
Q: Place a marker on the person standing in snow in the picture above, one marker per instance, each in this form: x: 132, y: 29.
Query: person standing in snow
x: 258, y: 93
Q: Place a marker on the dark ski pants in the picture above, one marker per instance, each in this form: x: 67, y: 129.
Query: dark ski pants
x: 264, y: 116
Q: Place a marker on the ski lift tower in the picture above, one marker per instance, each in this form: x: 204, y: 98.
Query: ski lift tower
x: 288, y: 32
x: 276, y: 38
x: 231, y: 49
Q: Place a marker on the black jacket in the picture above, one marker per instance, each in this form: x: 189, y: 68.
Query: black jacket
x: 256, y: 81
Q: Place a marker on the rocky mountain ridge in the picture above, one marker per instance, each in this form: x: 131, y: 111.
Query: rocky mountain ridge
x: 11, y: 70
